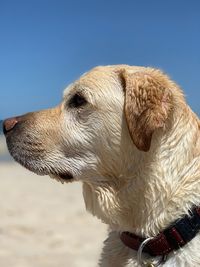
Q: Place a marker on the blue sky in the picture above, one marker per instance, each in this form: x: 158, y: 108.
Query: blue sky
x: 46, y: 44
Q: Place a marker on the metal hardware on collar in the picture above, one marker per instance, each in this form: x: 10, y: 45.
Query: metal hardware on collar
x: 148, y: 263
x: 175, y: 236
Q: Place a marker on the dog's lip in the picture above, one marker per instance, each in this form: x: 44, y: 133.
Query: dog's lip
x: 62, y: 177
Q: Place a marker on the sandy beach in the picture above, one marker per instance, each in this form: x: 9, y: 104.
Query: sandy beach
x: 44, y: 223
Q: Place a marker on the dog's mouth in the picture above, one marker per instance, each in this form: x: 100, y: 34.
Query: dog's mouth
x: 62, y: 177
x: 36, y: 163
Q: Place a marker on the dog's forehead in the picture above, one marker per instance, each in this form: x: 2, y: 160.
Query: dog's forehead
x: 100, y: 78
x: 95, y: 80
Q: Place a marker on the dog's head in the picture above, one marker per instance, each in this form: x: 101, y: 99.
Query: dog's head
x: 104, y: 116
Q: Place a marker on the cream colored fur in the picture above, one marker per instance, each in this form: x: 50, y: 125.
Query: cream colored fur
x: 126, y: 187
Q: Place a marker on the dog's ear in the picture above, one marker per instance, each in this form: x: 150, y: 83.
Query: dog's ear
x: 147, y: 104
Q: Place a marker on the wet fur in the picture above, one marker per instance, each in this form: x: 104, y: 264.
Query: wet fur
x: 135, y: 147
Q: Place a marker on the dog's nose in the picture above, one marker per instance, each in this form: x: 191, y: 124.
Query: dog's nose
x: 9, y: 124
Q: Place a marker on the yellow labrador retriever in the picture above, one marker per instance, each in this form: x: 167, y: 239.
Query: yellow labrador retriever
x: 128, y: 135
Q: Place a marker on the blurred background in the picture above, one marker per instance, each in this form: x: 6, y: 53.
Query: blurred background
x: 45, y: 45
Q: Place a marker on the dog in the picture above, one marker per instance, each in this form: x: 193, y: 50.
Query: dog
x: 128, y: 135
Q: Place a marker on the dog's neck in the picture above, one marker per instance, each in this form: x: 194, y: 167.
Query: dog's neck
x: 162, y: 185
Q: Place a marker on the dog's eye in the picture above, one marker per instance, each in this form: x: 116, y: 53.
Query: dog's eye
x: 77, y: 101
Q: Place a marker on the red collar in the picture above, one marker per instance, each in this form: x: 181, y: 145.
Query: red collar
x: 172, y: 238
